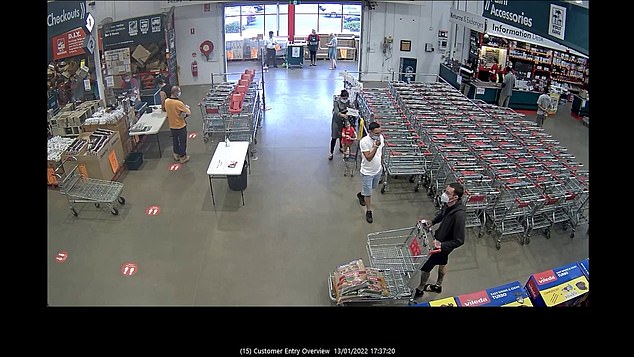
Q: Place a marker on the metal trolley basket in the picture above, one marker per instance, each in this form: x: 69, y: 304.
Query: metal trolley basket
x: 397, y: 254
x: 79, y: 189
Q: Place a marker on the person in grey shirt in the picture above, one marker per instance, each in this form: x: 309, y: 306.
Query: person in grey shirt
x: 543, y: 102
x: 507, y: 88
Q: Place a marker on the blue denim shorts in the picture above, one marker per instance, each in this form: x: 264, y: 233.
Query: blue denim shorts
x: 369, y: 183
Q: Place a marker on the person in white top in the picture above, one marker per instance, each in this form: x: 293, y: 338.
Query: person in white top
x: 543, y: 102
x: 270, y: 51
x: 371, y: 166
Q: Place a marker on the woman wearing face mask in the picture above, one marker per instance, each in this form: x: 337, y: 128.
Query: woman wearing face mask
x: 338, y: 117
x: 131, y: 85
x: 449, y: 236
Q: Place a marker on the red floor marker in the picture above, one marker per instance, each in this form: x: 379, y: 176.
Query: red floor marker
x: 129, y: 269
x: 192, y: 135
x: 153, y: 210
x: 174, y: 167
x: 61, y: 256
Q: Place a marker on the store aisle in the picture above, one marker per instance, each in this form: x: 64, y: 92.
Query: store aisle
x: 301, y: 218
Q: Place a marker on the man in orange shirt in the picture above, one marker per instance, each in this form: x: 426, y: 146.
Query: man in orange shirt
x: 177, y: 114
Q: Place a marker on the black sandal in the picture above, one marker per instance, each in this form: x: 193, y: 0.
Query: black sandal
x: 432, y: 288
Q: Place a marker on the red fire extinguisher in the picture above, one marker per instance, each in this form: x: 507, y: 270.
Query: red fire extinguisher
x: 194, y: 68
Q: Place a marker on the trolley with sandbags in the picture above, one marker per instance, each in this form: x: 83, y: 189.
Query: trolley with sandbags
x: 395, y: 255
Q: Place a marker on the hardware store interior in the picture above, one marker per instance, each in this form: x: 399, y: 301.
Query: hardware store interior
x: 131, y: 224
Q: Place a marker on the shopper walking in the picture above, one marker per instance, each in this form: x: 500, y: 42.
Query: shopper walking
x: 507, y: 88
x: 177, y: 114
x: 313, y: 44
x: 332, y: 51
x: 449, y: 236
x: 543, y: 103
x: 166, y: 91
x: 270, y: 51
x: 371, y: 146
x: 338, y: 116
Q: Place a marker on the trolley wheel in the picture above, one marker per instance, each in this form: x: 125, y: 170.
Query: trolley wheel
x: 383, y: 189
x: 97, y: 204
x: 480, y: 234
x: 547, y: 233
x: 114, y: 211
x: 572, y: 234
x: 205, y: 139
x: 72, y: 209
x: 416, y: 189
x: 411, y: 179
x: 255, y: 141
x: 121, y: 200
x: 527, y: 240
x: 498, y: 245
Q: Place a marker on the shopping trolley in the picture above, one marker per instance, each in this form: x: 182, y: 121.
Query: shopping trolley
x: 79, y: 189
x: 397, y: 254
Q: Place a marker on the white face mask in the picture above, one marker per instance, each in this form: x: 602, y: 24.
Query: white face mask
x: 345, y: 100
x: 178, y: 94
x: 444, y: 198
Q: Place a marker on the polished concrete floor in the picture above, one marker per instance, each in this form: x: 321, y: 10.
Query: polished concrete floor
x: 300, y: 221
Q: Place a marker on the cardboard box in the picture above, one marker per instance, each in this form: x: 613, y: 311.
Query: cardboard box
x: 106, y: 163
x: 511, y: 294
x: 585, y: 267
x: 446, y: 302
x: 141, y: 54
x: 562, y: 286
x: 121, y: 127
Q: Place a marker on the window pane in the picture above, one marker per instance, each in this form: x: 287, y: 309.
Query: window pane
x: 331, y: 11
x: 232, y: 28
x: 304, y: 23
x: 352, y: 9
x: 232, y: 11
x: 254, y: 24
x: 270, y: 24
x: 283, y: 24
x: 272, y: 9
x: 352, y: 19
x: 306, y: 9
x: 329, y: 25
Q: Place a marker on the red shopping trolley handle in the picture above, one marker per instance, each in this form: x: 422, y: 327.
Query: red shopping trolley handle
x: 434, y: 251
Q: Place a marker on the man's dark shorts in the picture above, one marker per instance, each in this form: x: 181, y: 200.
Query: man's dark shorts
x: 439, y: 258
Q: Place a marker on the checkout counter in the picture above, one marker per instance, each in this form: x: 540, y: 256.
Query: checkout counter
x: 488, y: 91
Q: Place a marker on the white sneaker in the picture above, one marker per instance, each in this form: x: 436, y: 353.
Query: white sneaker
x: 176, y: 157
x: 184, y: 159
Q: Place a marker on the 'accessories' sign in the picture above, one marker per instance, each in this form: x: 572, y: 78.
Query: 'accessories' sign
x: 548, y: 19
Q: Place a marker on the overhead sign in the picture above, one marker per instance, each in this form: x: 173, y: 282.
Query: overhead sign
x: 69, y: 44
x: 548, y: 19
x: 470, y: 21
x: 498, y: 29
x: 65, y: 15
x: 138, y: 30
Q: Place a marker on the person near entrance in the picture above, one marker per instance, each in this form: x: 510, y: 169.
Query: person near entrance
x: 332, y: 51
x: 449, y: 236
x: 313, y: 44
x: 371, y: 166
x: 270, y: 51
x: 177, y: 114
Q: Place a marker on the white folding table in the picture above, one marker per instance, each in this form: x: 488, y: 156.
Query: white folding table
x: 154, y: 121
x: 228, y: 161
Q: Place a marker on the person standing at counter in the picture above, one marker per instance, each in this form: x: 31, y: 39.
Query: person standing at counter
x: 543, y: 103
x: 177, y: 113
x: 313, y: 43
x: 166, y: 91
x: 507, y: 88
x: 494, y: 70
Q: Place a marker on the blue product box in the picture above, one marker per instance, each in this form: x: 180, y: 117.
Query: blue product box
x: 585, y: 267
x: 511, y: 294
x: 562, y: 286
x: 446, y: 302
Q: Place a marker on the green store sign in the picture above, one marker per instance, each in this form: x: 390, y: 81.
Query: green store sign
x: 558, y: 21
